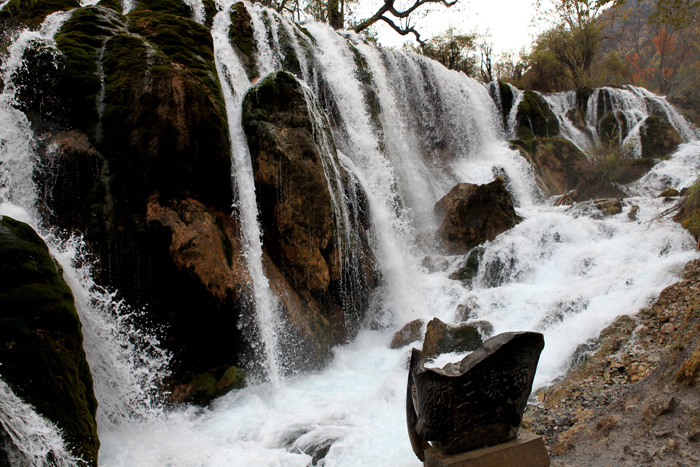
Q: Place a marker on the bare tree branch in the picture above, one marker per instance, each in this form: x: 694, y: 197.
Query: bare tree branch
x: 388, y: 7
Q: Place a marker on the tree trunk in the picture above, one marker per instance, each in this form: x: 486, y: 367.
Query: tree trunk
x: 335, y: 14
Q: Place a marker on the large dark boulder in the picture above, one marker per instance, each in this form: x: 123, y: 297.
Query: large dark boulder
x: 658, y: 137
x: 474, y: 214
x: 535, y: 118
x: 556, y: 162
x: 476, y: 402
x: 301, y: 190
x: 41, y: 342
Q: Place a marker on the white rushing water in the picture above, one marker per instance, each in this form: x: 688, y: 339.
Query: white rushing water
x: 564, y: 271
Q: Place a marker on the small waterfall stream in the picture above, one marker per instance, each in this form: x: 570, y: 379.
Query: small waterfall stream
x: 407, y: 130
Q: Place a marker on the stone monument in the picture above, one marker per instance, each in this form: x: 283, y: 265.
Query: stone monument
x: 476, y: 405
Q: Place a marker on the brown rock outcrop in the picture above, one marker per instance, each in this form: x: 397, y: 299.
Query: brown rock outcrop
x: 301, y: 190
x: 474, y: 214
x: 200, y: 257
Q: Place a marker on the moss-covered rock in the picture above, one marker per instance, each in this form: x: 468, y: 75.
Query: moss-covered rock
x: 534, y: 113
x: 183, y: 42
x: 173, y: 7
x: 41, y: 339
x: 479, y: 213
x: 658, y: 137
x: 506, y: 101
x: 612, y: 128
x: 32, y: 13
x: 556, y: 162
x: 240, y: 34
x: 441, y: 338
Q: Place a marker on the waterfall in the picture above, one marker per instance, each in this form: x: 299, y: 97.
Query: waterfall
x: 235, y: 83
x: 562, y: 104
x: 405, y: 130
x: 511, y: 130
x: 33, y: 441
x: 198, y: 12
x: 630, y: 105
x: 126, y: 362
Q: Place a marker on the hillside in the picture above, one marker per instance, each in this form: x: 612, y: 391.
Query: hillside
x: 634, y: 400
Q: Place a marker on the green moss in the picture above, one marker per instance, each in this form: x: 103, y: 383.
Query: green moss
x: 507, y: 99
x: 210, y: 11
x: 115, y: 5
x: 184, y: 42
x: 41, y: 339
x: 233, y: 378
x: 364, y: 75
x: 174, y: 7
x: 534, y: 112
x: 241, y: 36
x: 125, y: 60
x: 290, y: 62
x: 79, y: 40
x: 33, y: 12
x: 525, y: 134
x: 658, y: 137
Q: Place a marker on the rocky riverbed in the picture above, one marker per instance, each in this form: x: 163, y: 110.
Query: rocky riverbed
x: 632, y: 399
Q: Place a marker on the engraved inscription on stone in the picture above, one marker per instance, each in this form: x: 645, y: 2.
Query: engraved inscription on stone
x: 476, y: 402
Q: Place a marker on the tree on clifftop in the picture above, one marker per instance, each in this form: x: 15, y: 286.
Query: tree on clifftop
x: 575, y: 35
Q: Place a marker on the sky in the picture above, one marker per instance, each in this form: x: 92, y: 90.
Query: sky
x: 509, y: 22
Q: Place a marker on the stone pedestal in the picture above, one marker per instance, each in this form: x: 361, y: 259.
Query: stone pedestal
x: 527, y: 450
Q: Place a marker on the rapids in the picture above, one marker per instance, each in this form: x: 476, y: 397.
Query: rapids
x: 567, y: 272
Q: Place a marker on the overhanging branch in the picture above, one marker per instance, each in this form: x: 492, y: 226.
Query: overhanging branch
x: 388, y: 7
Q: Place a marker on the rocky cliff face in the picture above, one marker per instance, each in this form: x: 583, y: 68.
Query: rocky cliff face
x: 135, y: 154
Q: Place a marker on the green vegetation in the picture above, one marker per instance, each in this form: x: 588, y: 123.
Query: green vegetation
x: 33, y: 12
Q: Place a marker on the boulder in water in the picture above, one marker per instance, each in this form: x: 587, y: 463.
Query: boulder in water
x: 41, y: 341
x: 442, y: 338
x: 658, y: 137
x: 476, y: 402
x: 474, y: 214
x: 407, y: 334
x: 535, y: 115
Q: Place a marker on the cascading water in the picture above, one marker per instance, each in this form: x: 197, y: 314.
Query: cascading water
x: 629, y: 105
x: 407, y: 130
x: 126, y: 362
x: 32, y: 440
x: 234, y: 85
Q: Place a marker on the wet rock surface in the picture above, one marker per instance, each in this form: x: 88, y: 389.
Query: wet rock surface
x: 443, y: 338
x: 411, y: 332
x: 474, y: 214
x: 632, y: 399
x: 476, y: 402
x: 41, y: 341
